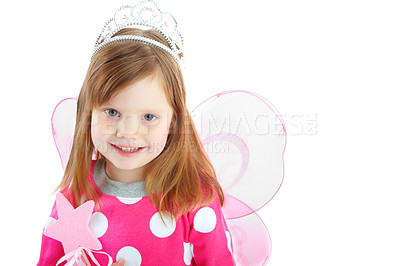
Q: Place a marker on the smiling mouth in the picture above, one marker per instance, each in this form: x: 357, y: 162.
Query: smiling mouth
x: 130, y: 150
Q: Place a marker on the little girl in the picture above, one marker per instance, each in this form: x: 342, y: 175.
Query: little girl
x: 157, y: 198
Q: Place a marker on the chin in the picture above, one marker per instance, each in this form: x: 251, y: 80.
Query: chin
x: 126, y: 164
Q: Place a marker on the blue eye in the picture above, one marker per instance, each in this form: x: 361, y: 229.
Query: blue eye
x: 150, y: 116
x: 112, y: 112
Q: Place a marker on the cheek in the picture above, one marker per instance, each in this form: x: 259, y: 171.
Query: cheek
x: 100, y: 134
x: 157, y: 137
x: 101, y: 127
x: 96, y: 136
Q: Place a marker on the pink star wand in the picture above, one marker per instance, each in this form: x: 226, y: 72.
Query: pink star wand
x: 73, y: 231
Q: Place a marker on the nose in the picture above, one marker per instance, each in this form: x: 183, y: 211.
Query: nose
x: 128, y: 127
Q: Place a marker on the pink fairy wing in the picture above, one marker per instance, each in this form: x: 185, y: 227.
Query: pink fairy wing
x: 63, y: 126
x: 244, y: 137
x: 251, y: 240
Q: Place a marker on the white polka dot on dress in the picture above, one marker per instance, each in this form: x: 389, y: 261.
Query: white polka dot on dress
x: 159, y: 229
x: 128, y: 200
x: 49, y: 222
x: 188, y: 253
x: 228, y: 239
x: 205, y: 220
x: 131, y: 256
x: 99, y: 224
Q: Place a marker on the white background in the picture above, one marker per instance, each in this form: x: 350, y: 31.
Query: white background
x: 330, y: 67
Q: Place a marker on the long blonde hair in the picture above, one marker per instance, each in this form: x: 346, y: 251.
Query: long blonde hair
x: 182, y: 177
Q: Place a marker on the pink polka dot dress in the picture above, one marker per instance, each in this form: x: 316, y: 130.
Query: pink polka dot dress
x: 131, y: 228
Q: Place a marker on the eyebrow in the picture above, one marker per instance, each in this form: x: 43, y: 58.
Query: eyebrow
x: 142, y: 110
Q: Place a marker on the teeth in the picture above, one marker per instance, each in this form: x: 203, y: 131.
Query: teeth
x: 128, y: 149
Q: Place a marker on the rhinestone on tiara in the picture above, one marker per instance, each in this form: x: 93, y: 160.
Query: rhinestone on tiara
x: 144, y: 14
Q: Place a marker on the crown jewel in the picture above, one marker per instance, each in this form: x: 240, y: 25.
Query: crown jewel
x: 145, y: 14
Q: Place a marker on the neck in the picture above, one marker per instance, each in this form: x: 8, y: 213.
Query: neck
x: 124, y: 176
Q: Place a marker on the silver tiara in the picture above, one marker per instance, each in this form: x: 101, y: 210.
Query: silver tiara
x: 145, y: 14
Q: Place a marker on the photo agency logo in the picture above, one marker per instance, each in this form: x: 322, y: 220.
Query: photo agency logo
x: 300, y: 124
x: 221, y: 132
x: 262, y: 124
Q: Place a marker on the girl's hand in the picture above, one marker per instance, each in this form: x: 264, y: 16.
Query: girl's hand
x: 119, y: 263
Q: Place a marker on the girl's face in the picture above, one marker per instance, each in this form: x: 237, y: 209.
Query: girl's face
x: 138, y: 116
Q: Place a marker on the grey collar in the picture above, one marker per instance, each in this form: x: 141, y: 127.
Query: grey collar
x: 115, y: 188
